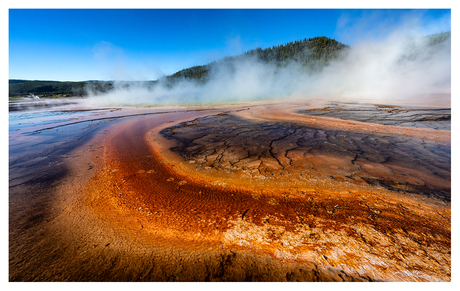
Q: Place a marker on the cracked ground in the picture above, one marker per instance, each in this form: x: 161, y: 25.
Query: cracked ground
x: 302, y: 156
x: 260, y: 192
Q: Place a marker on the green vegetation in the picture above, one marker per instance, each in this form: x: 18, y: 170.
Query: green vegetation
x: 305, y: 51
x: 438, y: 38
x: 196, y: 72
x: 313, y: 54
x: 49, y: 89
x: 55, y: 89
x: 414, y: 52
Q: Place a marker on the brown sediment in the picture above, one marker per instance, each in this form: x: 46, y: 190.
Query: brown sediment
x: 403, y: 116
x: 331, y: 229
x: 132, y: 209
x: 285, y: 113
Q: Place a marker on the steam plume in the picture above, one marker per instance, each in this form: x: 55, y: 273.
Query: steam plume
x: 398, y: 67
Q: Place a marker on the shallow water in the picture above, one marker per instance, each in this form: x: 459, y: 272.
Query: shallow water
x: 311, y: 156
x: 27, y: 105
x: 420, y: 117
x: 151, y: 201
x: 36, y: 155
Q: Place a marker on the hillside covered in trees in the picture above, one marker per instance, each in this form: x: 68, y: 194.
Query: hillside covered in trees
x: 311, y: 54
x: 56, y: 89
x: 46, y: 88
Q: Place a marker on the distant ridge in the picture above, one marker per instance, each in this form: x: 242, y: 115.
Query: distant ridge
x: 312, y: 54
x: 45, y: 88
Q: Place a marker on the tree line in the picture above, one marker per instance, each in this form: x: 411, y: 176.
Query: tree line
x: 312, y: 53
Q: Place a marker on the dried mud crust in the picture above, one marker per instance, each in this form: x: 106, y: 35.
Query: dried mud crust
x: 338, y: 229
x: 176, y: 229
x: 435, y: 118
x: 130, y: 210
x: 277, y: 153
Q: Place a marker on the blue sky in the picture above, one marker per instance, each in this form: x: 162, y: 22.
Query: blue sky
x: 144, y: 44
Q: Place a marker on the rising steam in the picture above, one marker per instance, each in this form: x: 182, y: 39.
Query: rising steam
x: 399, y: 67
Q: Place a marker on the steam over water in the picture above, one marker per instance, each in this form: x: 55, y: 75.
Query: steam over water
x: 401, y: 68
x: 310, y: 189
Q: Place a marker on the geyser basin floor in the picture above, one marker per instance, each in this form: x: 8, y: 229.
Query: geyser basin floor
x: 421, y: 117
x: 300, y: 204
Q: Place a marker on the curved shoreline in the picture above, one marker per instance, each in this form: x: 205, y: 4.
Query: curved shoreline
x: 141, y: 212
x: 288, y: 114
x: 156, y: 235
x: 190, y: 211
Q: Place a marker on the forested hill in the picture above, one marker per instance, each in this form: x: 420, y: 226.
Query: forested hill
x: 312, y: 53
x: 45, y: 88
x: 55, y: 89
x: 438, y: 38
x: 302, y: 51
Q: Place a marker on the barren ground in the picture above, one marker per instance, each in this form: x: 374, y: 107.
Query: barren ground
x: 255, y: 192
